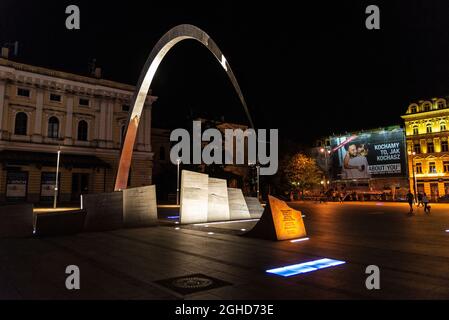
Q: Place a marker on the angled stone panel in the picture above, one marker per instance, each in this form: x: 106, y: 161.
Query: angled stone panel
x: 140, y: 207
x: 237, y: 205
x: 104, y: 211
x: 254, y: 207
x: 218, y: 208
x: 194, y: 197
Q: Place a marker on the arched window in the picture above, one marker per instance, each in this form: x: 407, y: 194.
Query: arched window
x: 53, y: 127
x: 82, y: 130
x: 427, y: 106
x: 429, y: 128
x: 443, y: 126
x: 413, y: 108
x: 441, y: 103
x: 21, y: 124
x: 415, y: 130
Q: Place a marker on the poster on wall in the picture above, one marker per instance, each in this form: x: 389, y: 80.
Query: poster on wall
x: 48, y: 186
x: 370, y: 154
x: 16, y: 185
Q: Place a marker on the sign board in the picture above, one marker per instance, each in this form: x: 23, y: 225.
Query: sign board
x: 369, y: 154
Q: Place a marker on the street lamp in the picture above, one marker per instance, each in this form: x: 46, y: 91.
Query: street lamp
x: 178, y: 162
x: 55, y: 200
x: 413, y: 154
x: 326, y: 173
x: 258, y: 181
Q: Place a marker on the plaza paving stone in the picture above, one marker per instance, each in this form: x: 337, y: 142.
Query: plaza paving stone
x: 411, y: 252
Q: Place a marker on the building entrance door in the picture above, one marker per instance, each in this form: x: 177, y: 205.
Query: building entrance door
x: 434, y: 194
x: 80, y: 185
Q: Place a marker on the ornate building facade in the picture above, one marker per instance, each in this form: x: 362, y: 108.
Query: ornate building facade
x: 427, y: 134
x: 43, y: 111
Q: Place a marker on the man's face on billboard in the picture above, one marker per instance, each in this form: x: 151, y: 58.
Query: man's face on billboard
x: 352, y: 150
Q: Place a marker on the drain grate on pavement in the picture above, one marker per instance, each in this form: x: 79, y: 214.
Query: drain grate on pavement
x: 192, y: 283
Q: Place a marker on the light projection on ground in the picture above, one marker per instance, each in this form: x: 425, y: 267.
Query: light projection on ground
x: 305, y: 267
x: 162, y: 47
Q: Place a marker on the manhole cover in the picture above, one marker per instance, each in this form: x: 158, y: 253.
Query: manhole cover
x: 192, y: 283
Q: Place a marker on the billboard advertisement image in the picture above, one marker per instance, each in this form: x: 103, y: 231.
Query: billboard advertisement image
x: 367, y: 155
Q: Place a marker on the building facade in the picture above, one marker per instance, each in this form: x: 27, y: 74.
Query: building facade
x: 43, y: 111
x: 426, y: 125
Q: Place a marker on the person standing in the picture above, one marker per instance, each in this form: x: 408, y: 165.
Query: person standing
x: 425, y: 201
x: 410, y: 199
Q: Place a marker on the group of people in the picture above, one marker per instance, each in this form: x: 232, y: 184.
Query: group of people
x: 332, y: 195
x: 422, y: 199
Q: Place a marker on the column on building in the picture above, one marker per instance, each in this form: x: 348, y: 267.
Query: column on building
x: 109, y: 125
x: 37, y: 130
x: 96, y: 128
x: 2, y: 105
x: 68, y: 140
x: 103, y: 124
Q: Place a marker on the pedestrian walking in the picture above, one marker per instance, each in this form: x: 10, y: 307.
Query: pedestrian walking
x: 425, y: 201
x: 410, y: 198
x: 420, y: 199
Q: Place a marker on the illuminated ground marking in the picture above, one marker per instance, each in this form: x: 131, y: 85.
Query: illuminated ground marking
x: 305, y: 267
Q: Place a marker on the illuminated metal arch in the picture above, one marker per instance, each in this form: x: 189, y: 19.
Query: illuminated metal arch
x: 170, y: 39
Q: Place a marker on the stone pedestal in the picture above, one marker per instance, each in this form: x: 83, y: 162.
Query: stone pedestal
x: 60, y: 223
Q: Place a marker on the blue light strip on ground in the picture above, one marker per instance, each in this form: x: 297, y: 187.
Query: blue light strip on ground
x: 305, y: 267
x: 173, y: 217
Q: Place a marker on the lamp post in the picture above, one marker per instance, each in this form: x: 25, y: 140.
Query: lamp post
x: 55, y: 200
x: 258, y: 180
x: 178, y: 162
x: 326, y: 181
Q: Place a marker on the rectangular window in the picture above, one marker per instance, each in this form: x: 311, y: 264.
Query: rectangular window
x: 432, y: 167
x: 446, y: 166
x: 23, y: 92
x: 55, y: 97
x: 430, y: 147
x: 417, y: 148
x: 84, y: 102
x: 444, y: 146
x: 419, y: 168
x: 415, y: 131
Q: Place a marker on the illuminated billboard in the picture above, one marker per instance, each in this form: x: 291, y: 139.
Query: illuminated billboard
x: 369, y: 154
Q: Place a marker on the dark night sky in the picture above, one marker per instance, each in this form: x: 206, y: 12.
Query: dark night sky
x: 307, y: 69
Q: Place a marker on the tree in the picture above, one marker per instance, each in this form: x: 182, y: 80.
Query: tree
x: 301, y: 172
